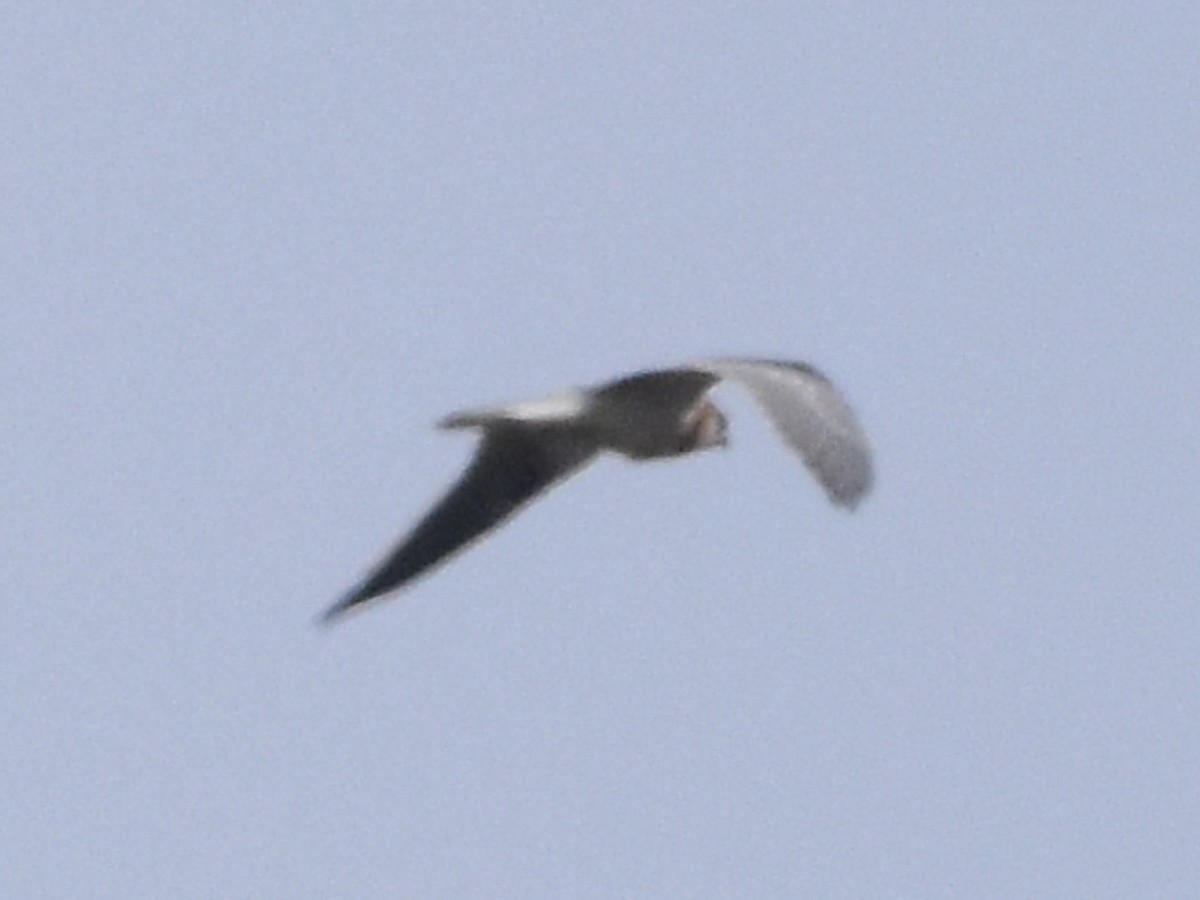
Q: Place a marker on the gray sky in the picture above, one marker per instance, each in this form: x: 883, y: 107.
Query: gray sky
x: 250, y: 256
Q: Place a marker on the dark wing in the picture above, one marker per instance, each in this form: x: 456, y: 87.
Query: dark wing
x: 812, y: 417
x: 512, y: 465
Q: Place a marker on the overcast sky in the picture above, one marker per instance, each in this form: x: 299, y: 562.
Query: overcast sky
x: 249, y: 256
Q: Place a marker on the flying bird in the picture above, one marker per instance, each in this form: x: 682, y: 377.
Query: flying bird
x: 657, y: 414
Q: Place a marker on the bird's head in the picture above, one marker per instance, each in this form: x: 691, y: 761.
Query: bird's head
x: 706, y: 426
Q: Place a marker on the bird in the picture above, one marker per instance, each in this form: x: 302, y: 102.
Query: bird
x: 665, y: 413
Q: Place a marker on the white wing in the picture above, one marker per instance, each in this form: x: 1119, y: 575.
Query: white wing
x: 812, y: 417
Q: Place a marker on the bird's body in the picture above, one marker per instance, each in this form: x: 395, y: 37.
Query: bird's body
x: 527, y: 447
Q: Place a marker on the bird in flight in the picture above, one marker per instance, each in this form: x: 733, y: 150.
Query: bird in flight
x: 656, y: 414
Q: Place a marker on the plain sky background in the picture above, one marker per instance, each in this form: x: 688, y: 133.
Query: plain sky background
x: 251, y: 253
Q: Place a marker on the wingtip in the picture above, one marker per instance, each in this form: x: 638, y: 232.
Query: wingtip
x: 326, y: 619
x: 848, y: 497
x: 337, y: 611
x: 849, y: 504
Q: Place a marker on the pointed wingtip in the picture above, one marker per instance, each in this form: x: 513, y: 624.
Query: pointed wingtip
x: 327, y: 619
x: 337, y: 611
